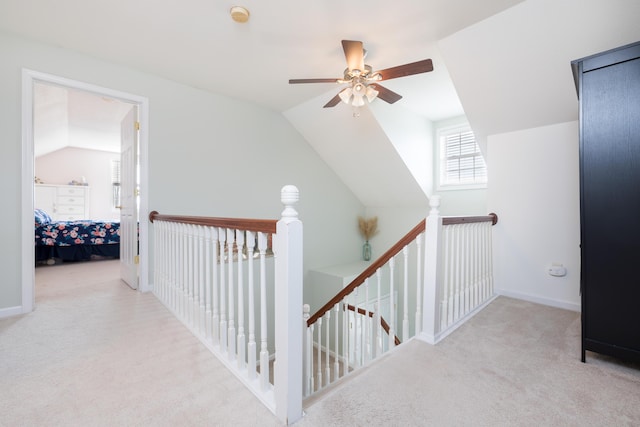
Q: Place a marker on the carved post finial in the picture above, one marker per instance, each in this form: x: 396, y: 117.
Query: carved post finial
x: 289, y: 195
x: 434, y: 202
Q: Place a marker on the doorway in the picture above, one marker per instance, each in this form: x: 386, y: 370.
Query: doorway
x: 30, y: 80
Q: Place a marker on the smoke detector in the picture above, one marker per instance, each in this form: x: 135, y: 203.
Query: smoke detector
x: 239, y: 14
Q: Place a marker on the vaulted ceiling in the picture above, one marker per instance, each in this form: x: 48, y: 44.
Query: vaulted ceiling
x: 502, y: 63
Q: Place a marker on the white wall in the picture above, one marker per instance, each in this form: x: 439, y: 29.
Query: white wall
x: 208, y: 155
x: 457, y: 202
x: 534, y: 189
x: 67, y: 164
x: 393, y: 224
x: 412, y: 136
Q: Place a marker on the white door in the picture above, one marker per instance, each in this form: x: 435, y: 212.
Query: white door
x: 128, y: 199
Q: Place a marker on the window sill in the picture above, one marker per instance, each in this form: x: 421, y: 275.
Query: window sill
x: 453, y: 187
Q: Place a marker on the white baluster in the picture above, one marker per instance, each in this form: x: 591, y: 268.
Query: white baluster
x: 165, y: 265
x: 185, y: 273
x: 177, y: 257
x: 195, y: 259
x: 468, y: 267
x: 489, y: 252
x: 231, y: 334
x: 392, y: 308
x: 452, y: 277
x: 481, y: 263
x: 215, y: 302
x: 319, y: 350
x: 377, y: 336
x: 251, y: 346
x: 405, y: 317
x: 307, y: 355
x: 377, y: 323
x: 366, y: 342
x: 336, y: 359
x: 157, y: 266
x: 201, y: 282
x: 327, y: 370
x: 264, y: 348
x: 222, y: 236
x: 158, y: 270
x: 171, y: 262
x: 418, y: 320
x: 353, y: 336
x: 345, y: 335
x: 312, y: 384
x: 477, y: 266
x: 191, y: 280
x: 168, y: 260
x: 241, y: 338
x: 208, y: 283
x: 459, y: 270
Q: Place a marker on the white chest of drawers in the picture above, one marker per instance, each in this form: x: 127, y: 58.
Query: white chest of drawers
x: 63, y: 202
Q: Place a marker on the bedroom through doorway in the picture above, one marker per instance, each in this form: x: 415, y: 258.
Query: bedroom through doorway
x: 77, y: 183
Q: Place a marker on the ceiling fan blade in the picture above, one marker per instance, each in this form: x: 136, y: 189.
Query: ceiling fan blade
x: 354, y: 53
x: 296, y: 81
x: 386, y: 94
x: 334, y: 101
x: 423, y: 66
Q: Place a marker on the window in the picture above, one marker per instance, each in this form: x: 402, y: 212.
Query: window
x: 461, y: 162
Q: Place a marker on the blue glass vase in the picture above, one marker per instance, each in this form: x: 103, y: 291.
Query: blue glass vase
x: 366, y: 251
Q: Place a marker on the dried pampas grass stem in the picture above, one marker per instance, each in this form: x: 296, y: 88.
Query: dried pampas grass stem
x: 368, y: 226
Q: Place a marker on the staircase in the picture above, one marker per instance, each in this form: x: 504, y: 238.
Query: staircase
x: 237, y: 285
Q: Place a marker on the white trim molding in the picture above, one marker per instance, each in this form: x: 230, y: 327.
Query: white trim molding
x: 11, y: 311
x: 29, y: 77
x: 540, y: 300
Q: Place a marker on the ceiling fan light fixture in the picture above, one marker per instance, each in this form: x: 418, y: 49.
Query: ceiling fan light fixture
x: 358, y: 100
x: 362, y: 81
x: 345, y: 95
x: 371, y: 93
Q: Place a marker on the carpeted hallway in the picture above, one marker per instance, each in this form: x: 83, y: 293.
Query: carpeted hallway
x: 95, y: 353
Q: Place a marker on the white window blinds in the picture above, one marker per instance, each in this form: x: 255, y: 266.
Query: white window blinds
x: 461, y: 160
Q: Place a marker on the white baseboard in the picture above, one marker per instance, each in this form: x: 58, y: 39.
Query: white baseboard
x: 10, y: 311
x: 435, y: 339
x: 540, y: 300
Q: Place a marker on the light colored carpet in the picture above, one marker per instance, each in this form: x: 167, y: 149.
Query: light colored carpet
x: 95, y: 353
x: 513, y: 364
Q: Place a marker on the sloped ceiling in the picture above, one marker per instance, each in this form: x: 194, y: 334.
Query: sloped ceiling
x: 512, y: 71
x: 73, y: 118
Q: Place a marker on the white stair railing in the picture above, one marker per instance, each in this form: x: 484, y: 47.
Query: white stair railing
x: 452, y: 281
x: 358, y: 325
x: 458, y: 270
x: 204, y: 267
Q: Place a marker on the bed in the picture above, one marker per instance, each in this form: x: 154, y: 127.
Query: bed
x: 75, y: 240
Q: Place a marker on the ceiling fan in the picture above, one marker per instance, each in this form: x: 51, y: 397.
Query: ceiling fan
x: 363, y: 81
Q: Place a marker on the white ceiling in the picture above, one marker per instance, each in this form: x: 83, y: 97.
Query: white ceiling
x: 65, y: 117
x: 197, y: 43
x: 507, y: 61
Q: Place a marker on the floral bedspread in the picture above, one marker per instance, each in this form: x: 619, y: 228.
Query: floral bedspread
x: 69, y: 233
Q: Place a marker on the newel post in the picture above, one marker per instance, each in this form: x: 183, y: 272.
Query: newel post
x: 432, y: 272
x: 288, y: 310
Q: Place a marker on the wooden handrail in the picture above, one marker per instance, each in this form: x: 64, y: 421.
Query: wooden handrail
x: 452, y: 220
x: 257, y: 225
x: 395, y: 249
x: 383, y: 322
